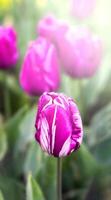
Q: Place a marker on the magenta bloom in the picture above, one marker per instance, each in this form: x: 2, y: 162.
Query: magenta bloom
x: 82, y: 8
x: 58, y: 124
x: 47, y: 27
x: 80, y: 52
x: 8, y: 47
x: 40, y: 69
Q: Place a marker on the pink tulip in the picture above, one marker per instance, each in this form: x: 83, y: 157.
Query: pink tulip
x: 80, y: 52
x: 40, y: 69
x: 82, y: 8
x: 8, y: 48
x: 47, y: 27
x: 59, y: 129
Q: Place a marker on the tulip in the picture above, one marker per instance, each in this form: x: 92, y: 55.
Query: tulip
x: 82, y: 8
x: 47, y: 27
x: 58, y: 124
x: 8, y: 48
x: 80, y: 52
x: 40, y: 69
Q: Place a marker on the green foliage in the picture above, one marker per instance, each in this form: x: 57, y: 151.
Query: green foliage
x: 12, y: 126
x: 95, y: 87
x: 100, y: 136
x: 1, y: 196
x: 3, y: 145
x: 26, y: 130
x: 79, y: 168
x: 33, y: 191
x: 86, y: 163
x: 47, y: 177
x: 34, y: 159
x: 11, y: 189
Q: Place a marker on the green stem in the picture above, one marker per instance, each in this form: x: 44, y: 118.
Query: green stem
x: 81, y: 97
x: 6, y: 99
x: 59, y: 179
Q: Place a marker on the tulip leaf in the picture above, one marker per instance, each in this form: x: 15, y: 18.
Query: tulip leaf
x: 1, y: 196
x: 26, y: 130
x: 102, y: 152
x: 33, y: 190
x: 81, y: 166
x: 11, y: 82
x: 100, y: 136
x: 39, y: 163
x: 34, y: 159
x: 3, y: 145
x: 47, y: 178
x: 11, y: 188
x: 82, y: 156
x: 97, y: 84
x: 101, y: 126
x: 12, y: 126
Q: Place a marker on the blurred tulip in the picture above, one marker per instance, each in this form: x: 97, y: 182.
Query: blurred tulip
x: 58, y: 124
x: 47, y: 27
x: 80, y: 52
x: 8, y: 48
x: 40, y: 70
x: 82, y: 8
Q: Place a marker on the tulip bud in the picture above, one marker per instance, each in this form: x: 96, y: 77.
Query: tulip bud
x: 8, y: 48
x: 40, y: 69
x: 58, y: 125
x: 80, y: 52
x: 82, y: 8
x: 47, y: 27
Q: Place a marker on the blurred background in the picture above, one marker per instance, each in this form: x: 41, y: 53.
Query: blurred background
x: 25, y: 171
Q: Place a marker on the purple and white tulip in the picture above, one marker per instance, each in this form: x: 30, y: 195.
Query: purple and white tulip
x: 8, y: 48
x: 40, y: 70
x: 59, y: 129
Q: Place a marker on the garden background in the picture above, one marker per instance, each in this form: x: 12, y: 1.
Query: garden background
x: 25, y: 171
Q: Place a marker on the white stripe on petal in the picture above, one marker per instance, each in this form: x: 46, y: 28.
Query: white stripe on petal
x: 54, y: 129
x: 65, y: 99
x: 48, y: 104
x: 61, y: 103
x: 43, y: 144
x: 44, y: 135
x: 65, y: 148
